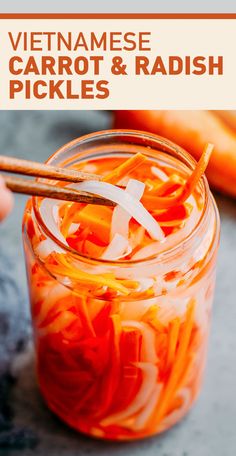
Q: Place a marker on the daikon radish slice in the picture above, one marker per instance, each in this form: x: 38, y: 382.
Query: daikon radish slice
x: 46, y: 247
x: 49, y: 213
x: 118, y: 248
x: 121, y: 218
x: 149, y: 408
x: 159, y: 173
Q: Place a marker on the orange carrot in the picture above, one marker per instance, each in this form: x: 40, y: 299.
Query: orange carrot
x: 96, y: 280
x: 84, y: 315
x: 112, y: 380
x: 169, y: 390
x: 228, y: 117
x: 172, y: 343
x: 98, y: 219
x: 124, y: 169
x: 183, y: 193
x: 191, y: 130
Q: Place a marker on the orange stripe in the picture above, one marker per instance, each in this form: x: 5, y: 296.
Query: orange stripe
x: 118, y: 16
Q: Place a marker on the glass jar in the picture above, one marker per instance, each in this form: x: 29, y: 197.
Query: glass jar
x: 123, y: 367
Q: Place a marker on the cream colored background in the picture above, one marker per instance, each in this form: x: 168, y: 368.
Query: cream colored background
x: 169, y: 37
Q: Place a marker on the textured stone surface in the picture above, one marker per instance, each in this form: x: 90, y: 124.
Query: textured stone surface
x: 209, y: 430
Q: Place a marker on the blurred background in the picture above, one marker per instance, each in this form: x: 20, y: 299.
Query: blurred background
x: 26, y: 425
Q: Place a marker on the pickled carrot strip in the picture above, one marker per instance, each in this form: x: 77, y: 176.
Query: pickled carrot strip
x: 113, y: 373
x: 170, y: 223
x: 153, y: 201
x: 88, y: 279
x: 175, y: 181
x: 131, y: 340
x: 170, y: 388
x: 172, y: 341
x: 84, y: 316
x: 125, y: 168
x: 97, y: 219
x: 93, y: 250
x: 148, y: 350
x: 157, y: 325
x: 198, y: 171
x: 167, y: 188
x: 102, y: 320
x: 130, y: 283
x: 131, y: 377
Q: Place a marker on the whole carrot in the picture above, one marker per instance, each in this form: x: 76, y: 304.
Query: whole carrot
x: 228, y: 117
x: 192, y: 130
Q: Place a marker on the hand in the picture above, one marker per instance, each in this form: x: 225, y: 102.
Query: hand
x: 6, y: 200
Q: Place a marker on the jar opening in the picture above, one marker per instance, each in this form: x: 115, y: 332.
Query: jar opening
x: 124, y: 142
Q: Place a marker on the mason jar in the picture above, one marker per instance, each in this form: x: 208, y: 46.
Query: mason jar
x: 118, y: 366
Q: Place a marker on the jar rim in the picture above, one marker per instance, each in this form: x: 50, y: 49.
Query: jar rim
x: 148, y: 140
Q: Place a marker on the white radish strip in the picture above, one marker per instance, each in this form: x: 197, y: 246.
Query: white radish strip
x: 54, y: 294
x: 202, y: 310
x: 145, y: 284
x: 148, y: 351
x: 127, y: 201
x: 168, y: 310
x: 149, y: 409
x: 149, y: 250
x: 120, y: 217
x: 159, y: 173
x: 118, y: 248
x: 90, y: 168
x: 49, y: 214
x: 55, y: 212
x: 46, y: 247
x: 134, y: 310
x: 150, y: 373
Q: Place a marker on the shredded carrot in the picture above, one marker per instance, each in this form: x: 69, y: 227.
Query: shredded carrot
x: 179, y: 362
x: 173, y: 339
x: 84, y: 277
x: 124, y: 169
x: 183, y: 193
x: 84, y: 316
x: 97, y: 219
x: 112, y: 379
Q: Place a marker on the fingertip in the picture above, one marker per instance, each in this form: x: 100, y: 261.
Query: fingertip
x: 6, y: 201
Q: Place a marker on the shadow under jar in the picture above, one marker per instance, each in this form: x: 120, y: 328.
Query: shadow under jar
x: 121, y: 345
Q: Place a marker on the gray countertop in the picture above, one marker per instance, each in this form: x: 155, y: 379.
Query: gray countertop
x: 209, y: 429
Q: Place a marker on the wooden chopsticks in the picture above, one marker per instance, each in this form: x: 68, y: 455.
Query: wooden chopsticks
x: 35, y: 188
x: 31, y: 168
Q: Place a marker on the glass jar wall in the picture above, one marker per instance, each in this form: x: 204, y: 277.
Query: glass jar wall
x: 121, y: 345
